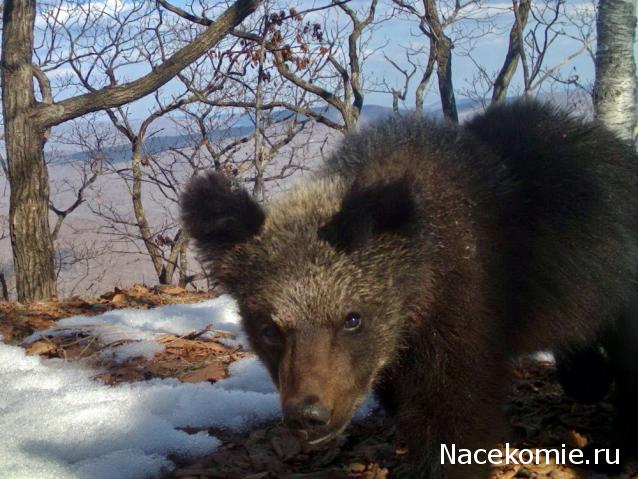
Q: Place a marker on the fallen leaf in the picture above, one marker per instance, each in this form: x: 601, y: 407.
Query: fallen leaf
x: 170, y: 290
x: 356, y: 467
x: 119, y: 299
x: 213, y: 372
x: 40, y: 347
x: 575, y: 439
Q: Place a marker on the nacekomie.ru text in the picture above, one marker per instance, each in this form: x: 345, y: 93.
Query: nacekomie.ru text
x: 450, y: 454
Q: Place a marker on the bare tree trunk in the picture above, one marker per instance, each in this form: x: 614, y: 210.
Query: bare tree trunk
x: 615, y: 87
x: 444, y: 74
x: 5, y: 287
x: 164, y: 268
x: 260, y: 164
x: 501, y: 84
x: 443, y: 55
x: 171, y: 263
x: 425, y: 79
x: 183, y: 264
x: 140, y: 215
x: 29, y: 201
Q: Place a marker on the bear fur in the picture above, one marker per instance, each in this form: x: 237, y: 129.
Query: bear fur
x: 426, y: 256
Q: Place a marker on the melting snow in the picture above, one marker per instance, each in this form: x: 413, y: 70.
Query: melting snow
x: 58, y: 423
x: 136, y: 324
x: 146, y: 349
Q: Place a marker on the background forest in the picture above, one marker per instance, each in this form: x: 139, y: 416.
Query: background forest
x: 110, y: 106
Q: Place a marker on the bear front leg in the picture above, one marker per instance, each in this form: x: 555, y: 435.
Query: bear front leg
x: 455, y: 402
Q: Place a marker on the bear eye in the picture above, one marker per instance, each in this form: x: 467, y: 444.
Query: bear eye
x: 271, y: 334
x: 352, y: 321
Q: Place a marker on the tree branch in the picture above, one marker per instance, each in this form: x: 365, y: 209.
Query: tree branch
x: 521, y: 13
x: 109, y: 97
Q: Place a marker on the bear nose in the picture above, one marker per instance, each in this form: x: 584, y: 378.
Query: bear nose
x: 306, y: 415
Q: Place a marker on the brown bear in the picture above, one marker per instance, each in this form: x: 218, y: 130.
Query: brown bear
x: 422, y: 259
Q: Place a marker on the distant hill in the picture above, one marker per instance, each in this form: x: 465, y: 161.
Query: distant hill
x: 167, y: 131
x: 159, y: 143
x: 165, y: 137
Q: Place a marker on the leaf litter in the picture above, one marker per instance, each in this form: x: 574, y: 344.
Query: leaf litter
x: 260, y: 448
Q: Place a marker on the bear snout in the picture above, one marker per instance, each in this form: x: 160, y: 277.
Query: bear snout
x: 308, y: 415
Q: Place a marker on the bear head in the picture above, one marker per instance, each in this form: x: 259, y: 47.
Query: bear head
x: 322, y: 280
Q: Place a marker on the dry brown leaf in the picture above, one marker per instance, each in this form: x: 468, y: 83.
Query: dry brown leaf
x: 375, y: 471
x: 575, y: 439
x: 356, y: 467
x: 212, y: 372
x: 170, y: 290
x: 119, y: 299
x: 508, y: 471
x: 40, y: 347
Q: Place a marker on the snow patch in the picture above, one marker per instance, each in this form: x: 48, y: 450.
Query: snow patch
x: 138, y: 349
x: 133, y: 332
x: 60, y: 423
x: 136, y: 325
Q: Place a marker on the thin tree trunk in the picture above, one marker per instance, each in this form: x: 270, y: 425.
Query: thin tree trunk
x: 259, y: 163
x: 443, y: 55
x: 140, y: 215
x: 444, y: 74
x: 171, y: 263
x: 5, y: 287
x: 29, y: 201
x: 183, y: 264
x: 615, y: 86
x: 425, y: 79
x: 504, y: 78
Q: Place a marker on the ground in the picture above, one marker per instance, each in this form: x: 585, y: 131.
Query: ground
x: 540, y: 415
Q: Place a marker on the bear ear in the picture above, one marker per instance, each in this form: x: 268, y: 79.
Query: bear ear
x: 369, y: 211
x: 217, y: 215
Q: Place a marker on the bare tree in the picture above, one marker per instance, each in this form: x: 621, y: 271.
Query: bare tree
x: 89, y: 172
x: 515, y: 50
x: 615, y: 87
x: 5, y: 288
x: 537, y: 32
x: 28, y: 121
x: 434, y: 19
x: 325, y: 59
x: 77, y: 159
x: 274, y: 128
x: 445, y: 25
x: 214, y: 81
x: 400, y: 93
